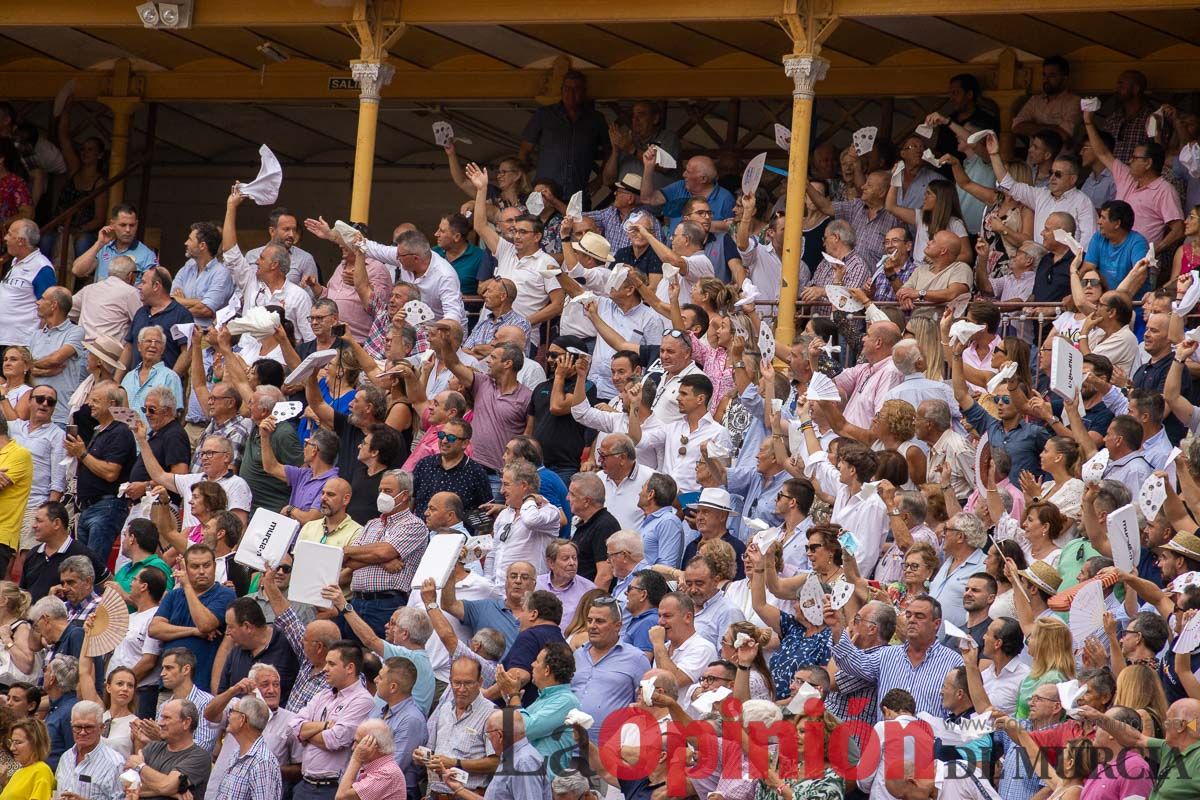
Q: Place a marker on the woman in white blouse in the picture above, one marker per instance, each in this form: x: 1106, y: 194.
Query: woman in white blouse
x: 1059, y: 460
x: 1043, y: 523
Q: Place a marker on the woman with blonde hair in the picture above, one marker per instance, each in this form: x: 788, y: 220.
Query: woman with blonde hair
x: 743, y: 643
x: 921, y: 563
x: 893, y: 428
x: 16, y: 382
x: 21, y: 658
x: 1052, y: 652
x: 1139, y: 688
x: 30, y: 745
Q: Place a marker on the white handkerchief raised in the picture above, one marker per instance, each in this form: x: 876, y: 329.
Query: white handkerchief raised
x: 535, y: 204
x: 822, y: 387
x: 752, y: 176
x: 979, y: 136
x: 1001, y: 377
x: 1069, y: 693
x: 575, y: 206
x: 925, y: 131
x: 581, y: 718
x: 1093, y: 468
x: 1070, y: 241
x: 549, y: 273
x: 832, y: 259
x: 417, y: 312
x: 800, y: 699
x: 647, y: 690
x: 742, y: 639
x: 1189, y: 637
x: 583, y: 297
x: 963, y: 331
x: 286, y: 409
x: 750, y: 293
x: 1190, y: 298
x: 840, y: 593
x: 182, y: 332
x: 1089, y: 104
x: 616, y: 278
x: 60, y: 99
x: 264, y: 190
x: 764, y: 539
x: 664, y: 159
x: 348, y: 233
x: 717, y: 450
x: 708, y: 700
x: 1154, y: 122
x: 1152, y: 496
x: 955, y: 632
x: 874, y: 314
x: 897, y: 179
x: 669, y: 271
x: 929, y: 158
x: 841, y: 299
x: 783, y: 137
x: 1189, y: 158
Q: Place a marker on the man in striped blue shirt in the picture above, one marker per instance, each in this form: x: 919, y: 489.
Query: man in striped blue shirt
x: 919, y: 666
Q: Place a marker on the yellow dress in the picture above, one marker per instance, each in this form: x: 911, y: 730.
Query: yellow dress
x: 34, y: 782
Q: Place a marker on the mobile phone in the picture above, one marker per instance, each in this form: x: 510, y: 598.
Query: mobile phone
x: 339, y: 329
x: 73, y: 430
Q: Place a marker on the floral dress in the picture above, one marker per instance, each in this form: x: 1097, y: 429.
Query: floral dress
x: 827, y: 787
x: 14, y: 193
x: 796, y: 647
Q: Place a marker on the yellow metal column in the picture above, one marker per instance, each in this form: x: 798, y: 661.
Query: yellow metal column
x: 372, y: 76
x: 805, y: 71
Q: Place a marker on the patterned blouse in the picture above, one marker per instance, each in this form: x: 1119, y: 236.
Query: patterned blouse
x: 796, y: 647
x: 827, y: 787
x: 715, y: 363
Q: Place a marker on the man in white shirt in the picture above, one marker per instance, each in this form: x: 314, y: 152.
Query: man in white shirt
x: 1106, y: 331
x: 623, y: 478
x: 528, y: 522
x: 263, y: 282
x: 26, y: 280
x: 675, y: 355
x: 1060, y: 196
x: 539, y: 297
x: 139, y: 651
x: 1003, y: 644
x: 426, y: 270
x: 678, y: 648
x: 677, y: 444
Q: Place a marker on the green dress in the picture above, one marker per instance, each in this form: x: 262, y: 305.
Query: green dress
x: 1029, y: 685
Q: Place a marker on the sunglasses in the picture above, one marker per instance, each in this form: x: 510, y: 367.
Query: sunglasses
x: 812, y: 548
x: 1058, y: 173
x: 450, y: 438
x: 1087, y: 282
x: 151, y: 410
x: 675, y: 333
x: 286, y: 569
x: 45, y: 400
x: 1003, y: 399
x: 605, y: 601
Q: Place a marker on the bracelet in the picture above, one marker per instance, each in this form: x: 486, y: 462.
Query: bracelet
x: 1178, y: 361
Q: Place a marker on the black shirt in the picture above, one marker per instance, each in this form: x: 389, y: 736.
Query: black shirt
x: 1053, y: 280
x: 739, y: 549
x: 115, y: 444
x: 170, y: 445
x: 592, y: 540
x: 278, y: 654
x: 40, y: 572
x: 363, y: 506
x: 1153, y: 375
x: 349, y: 438
x: 563, y: 439
x: 648, y: 263
x: 467, y: 479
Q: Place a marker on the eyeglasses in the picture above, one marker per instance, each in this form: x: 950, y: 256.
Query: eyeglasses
x: 1139, y: 158
x: 912, y: 566
x: 1004, y: 400
x: 1058, y: 173
x: 714, y: 679
x: 702, y: 213
x: 858, y: 620
x: 450, y: 438
x: 523, y: 231
x: 211, y: 453
x: 605, y: 601
x: 1090, y: 282
x: 463, y: 684
x: 83, y: 728
x: 286, y: 569
x: 812, y: 548
x: 45, y: 400
x: 319, y: 317
x: 152, y: 410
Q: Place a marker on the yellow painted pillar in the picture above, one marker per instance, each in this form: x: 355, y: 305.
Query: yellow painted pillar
x: 805, y: 71
x: 372, y: 76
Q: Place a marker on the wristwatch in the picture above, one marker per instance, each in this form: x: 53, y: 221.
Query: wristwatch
x: 739, y: 365
x: 431, y: 606
x: 921, y: 294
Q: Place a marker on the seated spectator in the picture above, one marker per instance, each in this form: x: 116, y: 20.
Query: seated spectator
x: 176, y: 762
x: 90, y: 766
x: 30, y: 746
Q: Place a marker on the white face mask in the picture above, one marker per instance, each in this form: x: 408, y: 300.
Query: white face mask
x: 385, y: 503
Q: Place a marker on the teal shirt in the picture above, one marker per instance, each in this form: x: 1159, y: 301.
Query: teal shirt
x: 124, y: 576
x: 545, y: 726
x: 466, y: 266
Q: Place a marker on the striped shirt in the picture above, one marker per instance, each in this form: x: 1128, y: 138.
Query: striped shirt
x: 460, y: 737
x: 854, y: 698
x: 310, y: 679
x: 252, y: 776
x: 408, y: 535
x: 890, y: 668
x: 100, y: 768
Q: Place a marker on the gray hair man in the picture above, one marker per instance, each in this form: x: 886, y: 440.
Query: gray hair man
x: 59, y: 359
x: 946, y: 446
x: 77, y: 588
x: 29, y: 269
x: 255, y: 771
x: 175, y: 763
x: 60, y: 679
x: 963, y: 542
x: 90, y: 768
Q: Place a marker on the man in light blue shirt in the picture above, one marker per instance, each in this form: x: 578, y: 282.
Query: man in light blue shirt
x: 661, y: 530
x: 59, y: 359
x: 545, y: 718
x: 759, y: 485
x: 607, y: 670
x: 400, y: 711
x: 203, y: 290
x: 117, y: 238
x: 407, y: 631
x: 1115, y: 246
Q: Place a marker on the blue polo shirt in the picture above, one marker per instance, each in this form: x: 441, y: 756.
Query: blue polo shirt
x: 491, y: 613
x: 1114, y: 261
x: 637, y: 632
x: 143, y: 256
x: 174, y: 609
x: 608, y: 684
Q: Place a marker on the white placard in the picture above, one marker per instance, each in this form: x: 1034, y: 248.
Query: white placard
x: 286, y: 409
x: 1087, y: 612
x: 443, y: 133
x: 811, y: 600
x: 183, y: 331
x: 1124, y: 537
x: 440, y: 557
x: 266, y: 540
x: 125, y: 415
x: 311, y: 363
x: 752, y: 176
x: 315, y: 566
x: 841, y: 299
x: 1066, y: 368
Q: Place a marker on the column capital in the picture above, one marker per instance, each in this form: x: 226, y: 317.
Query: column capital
x: 121, y: 105
x: 372, y: 76
x: 805, y: 71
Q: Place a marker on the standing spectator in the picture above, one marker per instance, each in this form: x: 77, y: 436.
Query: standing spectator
x: 1127, y: 123
x: 660, y: 528
x: 368, y: 408
x: 699, y: 180
x: 333, y: 526
x: 104, y: 464
x: 193, y: 613
x: 216, y: 459
x: 107, y: 307
x: 176, y: 762
x: 254, y: 772
x: 570, y: 137
x: 203, y: 285
x: 678, y: 648
x: 158, y: 308
x: 262, y: 682
x: 563, y: 438
x: 403, y: 716
x: 224, y: 403
x: 44, y: 441
x: 255, y: 642
x: 457, y: 729
x: 527, y: 522
x: 595, y: 524
x: 27, y: 279
x: 267, y: 491
x: 1059, y: 195
x: 18, y: 470
x: 607, y: 670
x: 1098, y: 184
x: 425, y: 269
x: 117, y: 239
x: 1056, y: 107
x: 451, y: 470
x: 453, y: 245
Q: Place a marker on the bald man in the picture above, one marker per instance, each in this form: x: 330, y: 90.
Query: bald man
x: 1175, y: 754
x: 865, y: 386
x: 30, y: 275
x: 445, y: 510
x: 699, y: 180
x: 532, y: 373
x: 939, y: 281
x: 335, y: 527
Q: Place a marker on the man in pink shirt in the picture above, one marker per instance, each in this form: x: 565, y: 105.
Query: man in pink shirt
x: 1157, y: 214
x: 448, y: 405
x: 865, y: 385
x: 372, y: 773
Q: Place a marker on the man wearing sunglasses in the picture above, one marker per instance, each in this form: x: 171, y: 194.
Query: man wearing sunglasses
x: 1060, y: 195
x: 451, y: 470
x: 44, y: 440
